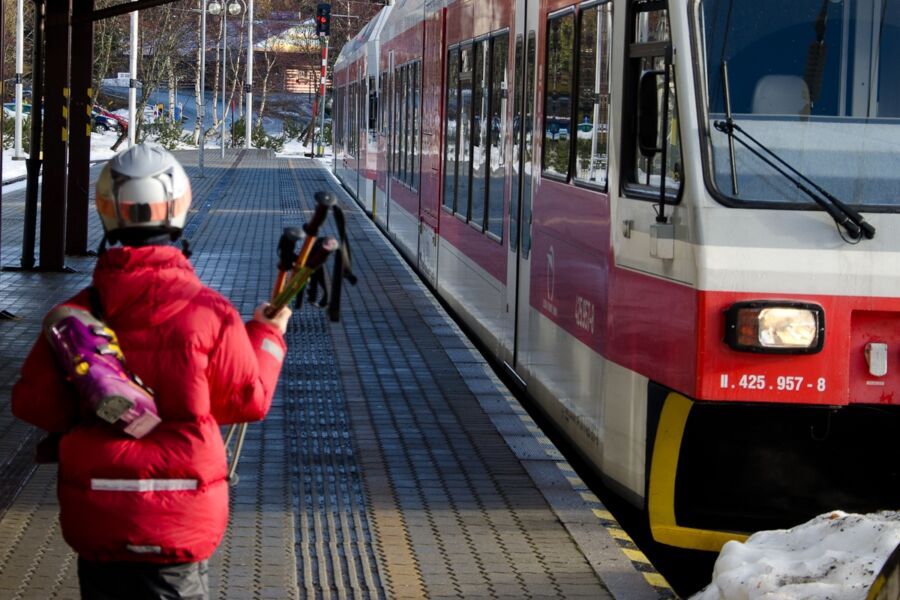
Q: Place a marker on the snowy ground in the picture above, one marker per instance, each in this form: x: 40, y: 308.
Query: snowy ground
x: 836, y: 556
x: 100, y: 150
x: 102, y: 142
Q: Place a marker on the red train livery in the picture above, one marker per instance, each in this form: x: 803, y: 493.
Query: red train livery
x: 675, y: 222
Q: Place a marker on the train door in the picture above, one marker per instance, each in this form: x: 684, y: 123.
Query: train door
x: 431, y: 74
x: 519, y: 247
x: 651, y: 163
x: 392, y: 137
x: 361, y: 97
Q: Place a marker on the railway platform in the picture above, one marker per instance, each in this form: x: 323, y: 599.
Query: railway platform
x: 393, y: 463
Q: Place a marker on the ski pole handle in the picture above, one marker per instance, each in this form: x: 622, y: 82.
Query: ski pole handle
x: 324, y: 201
x: 320, y: 252
x: 287, y: 257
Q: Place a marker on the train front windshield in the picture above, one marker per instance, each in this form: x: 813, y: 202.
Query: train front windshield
x: 815, y: 81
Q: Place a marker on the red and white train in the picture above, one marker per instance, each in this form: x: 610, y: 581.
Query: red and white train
x: 675, y: 221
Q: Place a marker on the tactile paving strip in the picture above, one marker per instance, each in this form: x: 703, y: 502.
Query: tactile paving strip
x: 455, y: 513
x: 335, y: 554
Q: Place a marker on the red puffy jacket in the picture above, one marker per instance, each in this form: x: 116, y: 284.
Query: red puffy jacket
x: 162, y: 498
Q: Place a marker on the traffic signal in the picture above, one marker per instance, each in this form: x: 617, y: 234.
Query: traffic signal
x: 323, y: 19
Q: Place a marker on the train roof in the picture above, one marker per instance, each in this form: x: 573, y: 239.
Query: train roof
x: 368, y: 35
x: 406, y: 14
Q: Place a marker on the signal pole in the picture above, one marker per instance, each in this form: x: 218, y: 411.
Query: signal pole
x: 323, y: 27
x: 324, y: 40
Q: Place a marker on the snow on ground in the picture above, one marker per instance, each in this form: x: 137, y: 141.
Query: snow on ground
x: 101, y: 144
x: 835, y: 556
x: 296, y: 148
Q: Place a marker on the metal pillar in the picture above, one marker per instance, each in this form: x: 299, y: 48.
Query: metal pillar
x: 248, y: 119
x: 78, y: 204
x: 224, y: 66
x: 132, y: 82
x: 201, y: 113
x: 20, y: 68
x: 324, y: 39
x: 56, y: 135
x: 33, y: 163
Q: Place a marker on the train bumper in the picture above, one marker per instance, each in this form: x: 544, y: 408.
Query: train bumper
x: 720, y: 471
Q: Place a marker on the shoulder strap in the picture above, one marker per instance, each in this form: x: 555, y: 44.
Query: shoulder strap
x: 96, y: 304
x: 343, y: 266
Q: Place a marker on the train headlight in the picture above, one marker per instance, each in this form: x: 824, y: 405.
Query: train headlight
x: 775, y: 327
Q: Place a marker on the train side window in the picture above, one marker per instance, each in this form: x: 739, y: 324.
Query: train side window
x: 559, y: 72
x: 465, y: 136
x: 528, y: 137
x: 404, y: 122
x: 591, y: 148
x: 382, y: 100
x: 336, y: 121
x: 517, y: 145
x: 351, y: 118
x: 650, y: 59
x: 497, y: 134
x: 479, y: 133
x: 373, y: 105
x: 414, y: 129
x: 451, y: 129
x: 398, y: 120
x: 407, y: 105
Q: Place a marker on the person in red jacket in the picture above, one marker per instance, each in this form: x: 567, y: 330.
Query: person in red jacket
x: 144, y: 515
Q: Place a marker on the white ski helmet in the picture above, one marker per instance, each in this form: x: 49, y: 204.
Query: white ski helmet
x: 143, y: 188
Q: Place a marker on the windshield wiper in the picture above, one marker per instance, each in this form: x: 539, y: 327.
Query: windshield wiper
x: 853, y: 223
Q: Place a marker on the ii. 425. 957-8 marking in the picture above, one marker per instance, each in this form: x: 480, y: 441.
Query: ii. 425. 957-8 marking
x: 781, y: 383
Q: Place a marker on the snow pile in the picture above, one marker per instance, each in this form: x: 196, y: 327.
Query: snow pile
x: 835, y: 556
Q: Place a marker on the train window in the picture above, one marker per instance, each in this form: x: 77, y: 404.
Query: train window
x: 560, y: 67
x: 413, y: 123
x: 651, y: 54
x: 404, y: 123
x: 351, y: 121
x: 382, y: 101
x: 451, y: 129
x: 417, y: 122
x: 479, y: 132
x: 398, y: 121
x: 373, y: 105
x: 497, y: 134
x: 336, y: 121
x: 407, y: 121
x: 591, y: 148
x: 465, y: 135
x: 517, y: 144
x: 528, y: 137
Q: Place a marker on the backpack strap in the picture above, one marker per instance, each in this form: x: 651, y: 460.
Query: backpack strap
x: 96, y: 304
x: 343, y: 266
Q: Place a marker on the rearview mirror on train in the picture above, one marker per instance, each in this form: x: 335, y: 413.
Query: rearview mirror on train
x: 648, y: 113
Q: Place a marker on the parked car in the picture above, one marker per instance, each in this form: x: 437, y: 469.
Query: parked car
x: 103, y: 120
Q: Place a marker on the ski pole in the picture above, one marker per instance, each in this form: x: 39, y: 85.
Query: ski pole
x: 286, y: 255
x: 324, y: 201
x: 319, y: 253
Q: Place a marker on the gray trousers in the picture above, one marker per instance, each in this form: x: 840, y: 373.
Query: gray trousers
x: 143, y: 581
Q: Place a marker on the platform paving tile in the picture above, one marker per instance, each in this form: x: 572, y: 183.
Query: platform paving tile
x: 379, y: 472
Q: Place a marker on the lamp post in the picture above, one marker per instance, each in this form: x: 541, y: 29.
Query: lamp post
x: 132, y: 81
x: 202, y: 112
x: 233, y: 8
x: 248, y: 118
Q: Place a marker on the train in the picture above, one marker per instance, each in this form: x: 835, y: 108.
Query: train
x: 673, y: 223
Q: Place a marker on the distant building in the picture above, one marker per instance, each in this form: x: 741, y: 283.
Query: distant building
x: 298, y: 56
